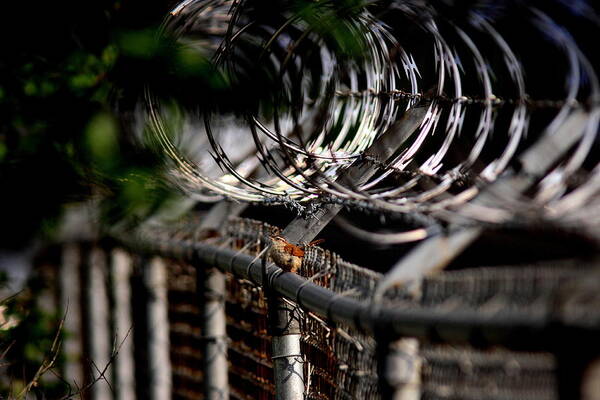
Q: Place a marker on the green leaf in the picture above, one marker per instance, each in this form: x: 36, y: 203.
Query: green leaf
x: 101, y: 140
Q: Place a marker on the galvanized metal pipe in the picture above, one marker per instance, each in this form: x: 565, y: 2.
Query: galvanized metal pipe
x: 70, y: 301
x: 121, y: 268
x: 216, y: 386
x: 454, y: 326
x: 159, y: 364
x: 402, y: 369
x: 288, y: 362
x: 287, y: 358
x: 98, y: 324
x: 210, y: 285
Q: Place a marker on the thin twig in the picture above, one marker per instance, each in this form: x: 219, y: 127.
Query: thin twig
x: 46, y: 364
x: 102, y: 374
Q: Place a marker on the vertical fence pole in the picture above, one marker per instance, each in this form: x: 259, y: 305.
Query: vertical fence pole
x: 70, y: 299
x: 287, y: 357
x: 211, y: 282
x: 403, y: 369
x: 99, y: 324
x: 216, y: 386
x: 46, y: 302
x: 121, y: 267
x: 288, y: 362
x: 159, y: 362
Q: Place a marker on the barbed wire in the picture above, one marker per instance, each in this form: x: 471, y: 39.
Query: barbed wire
x: 328, y: 109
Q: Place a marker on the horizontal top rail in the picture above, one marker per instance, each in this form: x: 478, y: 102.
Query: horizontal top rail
x: 507, y: 327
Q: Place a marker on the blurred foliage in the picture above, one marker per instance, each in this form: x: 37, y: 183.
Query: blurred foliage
x: 73, y: 73
x: 62, y: 74
x: 27, y: 332
x: 71, y: 76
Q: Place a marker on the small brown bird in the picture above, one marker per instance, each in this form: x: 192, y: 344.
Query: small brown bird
x: 288, y: 256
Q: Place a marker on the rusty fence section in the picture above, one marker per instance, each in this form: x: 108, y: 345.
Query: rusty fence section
x: 178, y: 313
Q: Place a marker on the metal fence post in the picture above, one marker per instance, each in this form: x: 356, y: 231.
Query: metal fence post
x: 288, y: 362
x: 159, y: 364
x: 402, y: 369
x: 70, y: 302
x: 121, y: 268
x: 287, y: 357
x: 214, y: 323
x: 214, y: 332
x: 98, y: 321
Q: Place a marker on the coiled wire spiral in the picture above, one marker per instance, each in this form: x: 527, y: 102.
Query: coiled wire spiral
x: 495, y: 79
